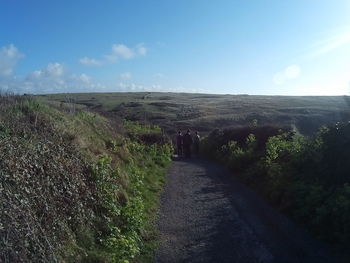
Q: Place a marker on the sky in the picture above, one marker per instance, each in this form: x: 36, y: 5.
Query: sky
x: 263, y: 47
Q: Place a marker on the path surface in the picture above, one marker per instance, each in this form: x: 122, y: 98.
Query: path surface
x: 208, y: 216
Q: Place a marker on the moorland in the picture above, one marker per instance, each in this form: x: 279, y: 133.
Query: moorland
x: 206, y: 112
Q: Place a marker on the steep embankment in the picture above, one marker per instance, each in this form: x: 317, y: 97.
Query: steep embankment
x: 74, y: 188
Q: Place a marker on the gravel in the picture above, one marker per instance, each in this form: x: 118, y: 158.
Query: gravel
x: 207, y: 215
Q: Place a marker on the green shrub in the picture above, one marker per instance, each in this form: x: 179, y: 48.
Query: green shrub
x: 308, y: 178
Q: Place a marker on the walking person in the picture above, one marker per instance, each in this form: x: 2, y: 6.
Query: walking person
x: 179, y: 143
x: 187, y: 143
x: 196, y: 141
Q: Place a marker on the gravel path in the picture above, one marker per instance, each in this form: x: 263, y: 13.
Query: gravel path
x: 208, y: 216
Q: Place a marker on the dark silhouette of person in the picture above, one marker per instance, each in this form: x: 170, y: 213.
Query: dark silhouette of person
x: 187, y: 143
x: 179, y: 143
x: 196, y: 141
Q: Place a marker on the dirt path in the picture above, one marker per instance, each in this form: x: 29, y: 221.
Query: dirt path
x: 208, y: 216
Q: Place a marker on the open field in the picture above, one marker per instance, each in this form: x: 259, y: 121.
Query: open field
x: 205, y: 112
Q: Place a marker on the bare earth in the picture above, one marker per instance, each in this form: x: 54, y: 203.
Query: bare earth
x: 206, y: 215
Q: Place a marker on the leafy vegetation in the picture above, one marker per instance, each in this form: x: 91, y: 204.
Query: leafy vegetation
x: 75, y: 189
x: 307, y: 178
x: 78, y: 186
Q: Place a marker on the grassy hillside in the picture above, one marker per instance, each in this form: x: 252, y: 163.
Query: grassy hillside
x: 78, y: 183
x: 205, y: 112
x: 75, y: 186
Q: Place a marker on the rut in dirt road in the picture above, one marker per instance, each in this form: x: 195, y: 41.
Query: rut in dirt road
x: 208, y: 216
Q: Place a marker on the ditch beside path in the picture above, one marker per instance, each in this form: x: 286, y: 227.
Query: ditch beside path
x: 207, y: 215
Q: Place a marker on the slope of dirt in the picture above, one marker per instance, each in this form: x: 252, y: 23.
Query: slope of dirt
x: 208, y: 216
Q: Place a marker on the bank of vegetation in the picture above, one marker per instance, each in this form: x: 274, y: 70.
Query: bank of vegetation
x: 305, y: 177
x: 76, y: 187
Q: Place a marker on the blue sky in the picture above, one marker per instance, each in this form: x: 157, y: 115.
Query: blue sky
x: 299, y: 47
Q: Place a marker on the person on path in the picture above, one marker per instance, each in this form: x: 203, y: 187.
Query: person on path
x: 179, y: 143
x: 196, y: 141
x: 187, y: 143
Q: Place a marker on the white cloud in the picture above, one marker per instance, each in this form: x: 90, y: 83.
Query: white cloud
x: 55, y: 69
x: 55, y: 78
x: 133, y: 87
x: 9, y: 56
x: 85, y: 78
x: 141, y: 50
x: 52, y: 79
x: 90, y: 62
x: 124, y: 87
x: 118, y: 52
x: 290, y: 72
x: 125, y: 75
x: 122, y: 51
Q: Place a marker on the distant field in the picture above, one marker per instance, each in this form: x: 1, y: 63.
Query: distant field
x: 205, y: 112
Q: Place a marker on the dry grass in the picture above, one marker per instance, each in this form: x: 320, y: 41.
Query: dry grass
x: 206, y: 112
x: 45, y: 189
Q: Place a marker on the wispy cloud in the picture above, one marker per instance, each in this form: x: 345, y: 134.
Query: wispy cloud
x: 329, y: 44
x: 141, y: 50
x: 9, y: 57
x: 125, y: 76
x: 118, y: 52
x: 90, y: 62
x: 53, y: 78
x: 289, y: 73
x: 133, y: 87
x: 56, y: 78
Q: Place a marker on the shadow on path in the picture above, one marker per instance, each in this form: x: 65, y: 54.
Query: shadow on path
x: 206, y: 215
